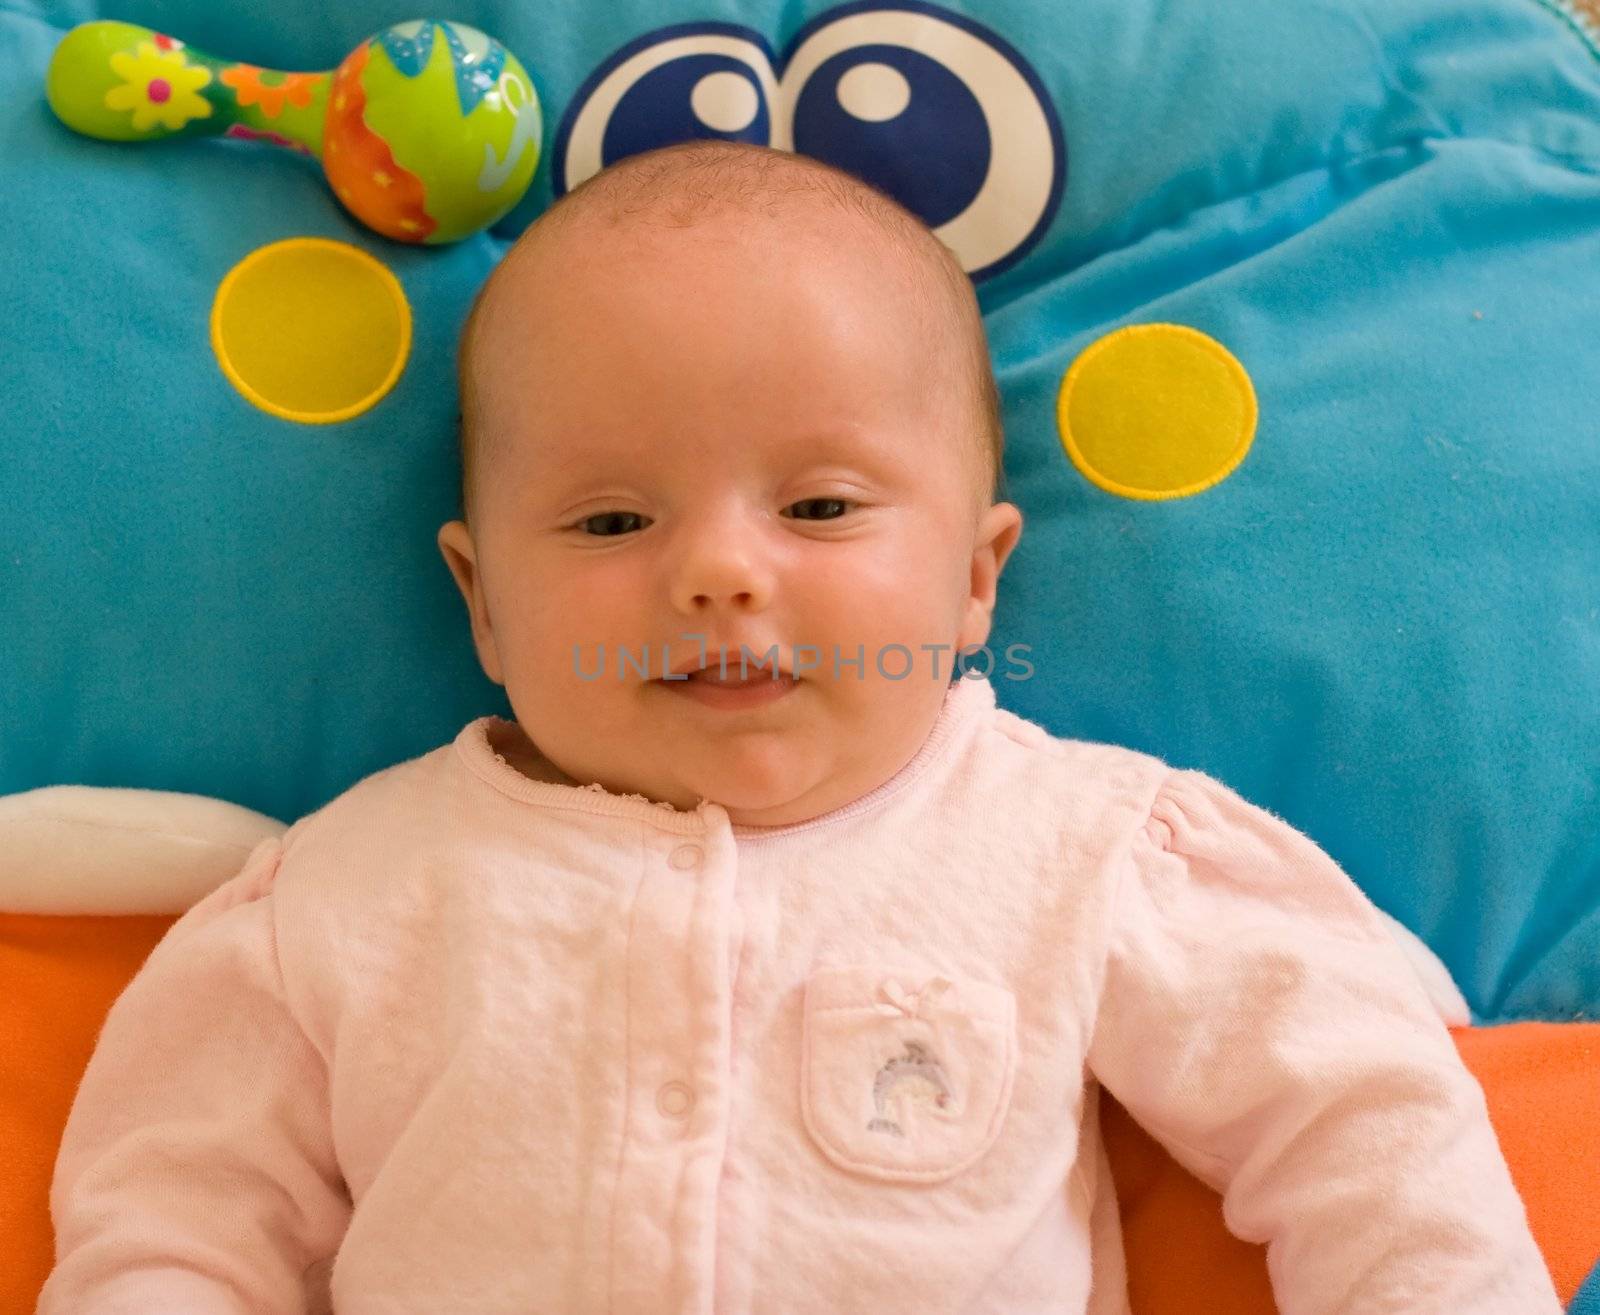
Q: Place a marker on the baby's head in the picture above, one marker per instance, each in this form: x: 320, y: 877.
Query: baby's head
x: 726, y: 391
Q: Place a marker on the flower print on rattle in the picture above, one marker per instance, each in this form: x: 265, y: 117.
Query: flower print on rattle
x: 427, y: 132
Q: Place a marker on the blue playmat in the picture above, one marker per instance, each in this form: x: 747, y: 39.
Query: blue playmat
x: 1337, y: 543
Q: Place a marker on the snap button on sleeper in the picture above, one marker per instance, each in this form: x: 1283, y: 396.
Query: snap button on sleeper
x: 674, y: 1099
x: 685, y: 856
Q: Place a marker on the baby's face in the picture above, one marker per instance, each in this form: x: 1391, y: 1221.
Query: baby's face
x: 702, y: 440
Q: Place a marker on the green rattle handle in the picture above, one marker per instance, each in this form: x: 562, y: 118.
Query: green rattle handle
x: 427, y: 131
x: 122, y: 83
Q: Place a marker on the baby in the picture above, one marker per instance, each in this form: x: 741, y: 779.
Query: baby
x: 762, y: 963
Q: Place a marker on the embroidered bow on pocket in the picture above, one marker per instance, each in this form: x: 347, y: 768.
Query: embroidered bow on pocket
x: 905, y: 1075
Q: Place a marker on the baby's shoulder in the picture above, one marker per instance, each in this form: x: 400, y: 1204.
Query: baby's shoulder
x: 1069, y: 788
x: 394, y: 809
x: 1064, y: 758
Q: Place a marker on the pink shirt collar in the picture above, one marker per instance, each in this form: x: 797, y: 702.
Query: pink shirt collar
x: 966, y: 699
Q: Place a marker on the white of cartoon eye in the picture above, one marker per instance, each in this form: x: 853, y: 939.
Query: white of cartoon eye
x: 725, y: 102
x: 874, y: 93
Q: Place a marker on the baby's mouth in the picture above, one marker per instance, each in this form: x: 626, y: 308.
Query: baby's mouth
x: 729, y: 670
x: 729, y: 688
x: 733, y: 680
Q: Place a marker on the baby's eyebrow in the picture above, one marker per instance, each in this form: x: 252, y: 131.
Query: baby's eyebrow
x: 851, y: 445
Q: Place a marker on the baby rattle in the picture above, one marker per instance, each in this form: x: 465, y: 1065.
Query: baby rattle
x: 427, y: 132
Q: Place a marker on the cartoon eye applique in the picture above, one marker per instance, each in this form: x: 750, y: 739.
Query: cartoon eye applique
x: 905, y: 1075
x: 912, y: 98
x: 908, y: 97
x: 711, y: 80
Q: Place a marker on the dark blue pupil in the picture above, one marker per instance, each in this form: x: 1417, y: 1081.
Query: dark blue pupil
x: 933, y: 158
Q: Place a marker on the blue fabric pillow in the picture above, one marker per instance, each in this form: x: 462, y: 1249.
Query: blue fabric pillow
x: 1383, y: 623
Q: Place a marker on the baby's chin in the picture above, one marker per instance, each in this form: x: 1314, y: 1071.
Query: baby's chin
x: 764, y: 789
x: 764, y: 802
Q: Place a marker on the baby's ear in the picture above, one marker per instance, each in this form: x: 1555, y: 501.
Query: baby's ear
x: 999, y: 528
x: 461, y: 556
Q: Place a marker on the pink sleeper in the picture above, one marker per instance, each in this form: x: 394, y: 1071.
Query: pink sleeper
x: 466, y: 1041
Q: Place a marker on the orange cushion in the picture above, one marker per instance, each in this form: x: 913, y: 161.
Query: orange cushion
x: 58, y: 977
x: 61, y: 974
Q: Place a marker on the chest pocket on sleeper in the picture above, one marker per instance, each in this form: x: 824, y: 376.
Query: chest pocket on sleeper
x: 905, y: 1073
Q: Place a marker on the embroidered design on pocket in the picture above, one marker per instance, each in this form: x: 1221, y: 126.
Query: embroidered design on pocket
x: 917, y: 1075
x: 904, y: 1083
x: 913, y: 1076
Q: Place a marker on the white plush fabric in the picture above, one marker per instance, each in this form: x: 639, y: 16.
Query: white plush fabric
x: 76, y: 849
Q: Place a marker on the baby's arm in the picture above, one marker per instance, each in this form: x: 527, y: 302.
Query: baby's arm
x: 197, y: 1173
x: 1258, y: 1018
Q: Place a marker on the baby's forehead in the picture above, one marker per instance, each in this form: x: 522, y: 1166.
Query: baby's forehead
x: 559, y: 272
x: 583, y: 245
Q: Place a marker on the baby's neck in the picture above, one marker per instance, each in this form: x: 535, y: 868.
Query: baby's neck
x: 509, y: 740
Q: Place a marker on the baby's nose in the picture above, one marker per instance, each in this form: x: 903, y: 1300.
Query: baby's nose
x: 743, y: 595
x: 718, y: 573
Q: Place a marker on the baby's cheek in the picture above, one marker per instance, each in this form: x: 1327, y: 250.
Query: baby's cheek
x: 862, y: 576
x: 906, y: 595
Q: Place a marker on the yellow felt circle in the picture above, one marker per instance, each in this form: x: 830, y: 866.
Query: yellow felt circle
x: 1156, y: 411
x: 311, y: 329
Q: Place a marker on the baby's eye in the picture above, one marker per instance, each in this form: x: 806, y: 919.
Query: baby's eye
x: 820, y: 509
x: 609, y: 524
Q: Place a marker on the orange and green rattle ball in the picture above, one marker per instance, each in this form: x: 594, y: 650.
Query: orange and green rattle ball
x: 427, y: 132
